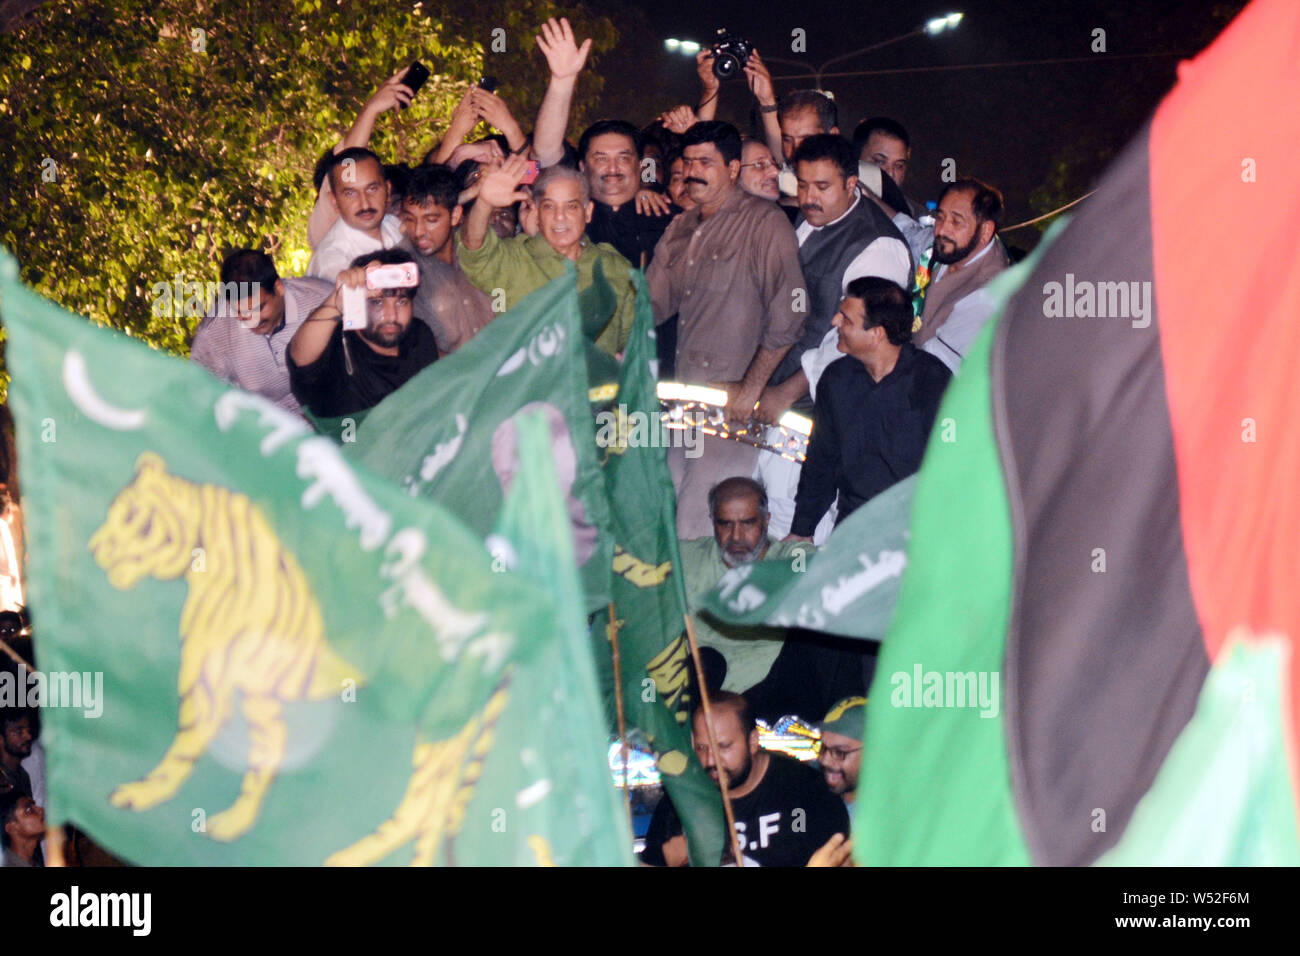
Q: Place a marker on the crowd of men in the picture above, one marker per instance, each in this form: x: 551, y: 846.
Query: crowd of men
x: 787, y: 268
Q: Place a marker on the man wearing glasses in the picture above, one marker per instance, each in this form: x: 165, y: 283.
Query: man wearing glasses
x: 759, y: 173
x: 336, y: 373
x: 840, y: 755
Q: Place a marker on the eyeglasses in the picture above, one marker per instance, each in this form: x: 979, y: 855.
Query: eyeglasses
x: 840, y: 754
x: 763, y: 165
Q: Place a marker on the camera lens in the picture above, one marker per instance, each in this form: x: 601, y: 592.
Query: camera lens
x: 725, y: 66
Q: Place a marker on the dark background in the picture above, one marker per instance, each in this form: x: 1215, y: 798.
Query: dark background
x: 1040, y: 133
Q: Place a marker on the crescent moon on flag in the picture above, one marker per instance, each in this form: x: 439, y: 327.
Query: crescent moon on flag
x: 76, y: 381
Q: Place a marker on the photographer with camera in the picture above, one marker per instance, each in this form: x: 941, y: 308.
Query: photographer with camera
x: 335, y: 371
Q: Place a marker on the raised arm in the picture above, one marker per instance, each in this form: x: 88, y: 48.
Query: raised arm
x: 493, y: 108
x: 710, y: 86
x: 463, y: 119
x: 497, y: 188
x: 309, y: 342
x: 760, y: 83
x: 566, y: 59
x: 388, y: 97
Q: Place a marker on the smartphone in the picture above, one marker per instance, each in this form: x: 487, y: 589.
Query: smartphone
x: 488, y: 84
x: 533, y: 169
x: 354, y: 308
x: 401, y: 275
x: 414, y: 77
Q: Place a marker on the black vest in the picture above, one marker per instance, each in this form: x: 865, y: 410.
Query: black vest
x: 823, y: 257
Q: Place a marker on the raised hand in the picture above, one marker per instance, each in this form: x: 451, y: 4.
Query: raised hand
x: 760, y: 80
x: 563, y: 55
x: 704, y: 69
x: 391, y: 94
x: 679, y: 119
x: 465, y: 116
x: 487, y: 151
x: 500, y: 186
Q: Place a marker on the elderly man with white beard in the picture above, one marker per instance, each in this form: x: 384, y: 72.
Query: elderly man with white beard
x: 739, y: 510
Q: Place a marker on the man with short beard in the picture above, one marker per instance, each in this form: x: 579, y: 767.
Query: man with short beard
x: 15, y: 747
x: 782, y: 809
x: 334, y: 372
x: 967, y: 257
x: 359, y: 191
x: 739, y: 509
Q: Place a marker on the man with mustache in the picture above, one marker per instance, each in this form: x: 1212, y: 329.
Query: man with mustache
x: 359, y: 191
x: 968, y: 255
x: 610, y: 157
x: 335, y: 372
x: 843, y: 235
x: 729, y: 269
x: 739, y: 509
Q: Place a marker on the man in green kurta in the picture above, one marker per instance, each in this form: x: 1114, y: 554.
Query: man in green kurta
x: 523, y: 264
x: 738, y: 507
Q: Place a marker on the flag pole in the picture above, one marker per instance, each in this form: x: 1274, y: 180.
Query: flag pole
x: 713, y: 743
x: 618, y: 703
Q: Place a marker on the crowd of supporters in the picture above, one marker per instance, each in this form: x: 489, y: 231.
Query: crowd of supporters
x: 787, y: 266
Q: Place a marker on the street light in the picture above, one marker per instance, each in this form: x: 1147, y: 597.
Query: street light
x: 939, y: 24
x: 932, y: 27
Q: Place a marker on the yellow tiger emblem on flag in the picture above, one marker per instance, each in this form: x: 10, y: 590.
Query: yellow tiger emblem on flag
x: 250, y: 624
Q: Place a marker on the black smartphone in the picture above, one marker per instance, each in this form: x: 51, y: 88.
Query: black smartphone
x: 414, y: 77
x: 488, y: 84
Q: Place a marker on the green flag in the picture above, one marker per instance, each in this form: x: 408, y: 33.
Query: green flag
x: 440, y: 436
x: 278, y: 657
x: 847, y: 588
x: 558, y: 726
x: 648, y: 596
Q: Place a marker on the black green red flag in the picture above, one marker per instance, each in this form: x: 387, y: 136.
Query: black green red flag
x: 1093, y: 656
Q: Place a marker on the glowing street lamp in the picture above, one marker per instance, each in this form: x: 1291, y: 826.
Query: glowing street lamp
x: 939, y: 24
x: 684, y: 47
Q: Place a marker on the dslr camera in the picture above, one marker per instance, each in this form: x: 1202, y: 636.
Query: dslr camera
x: 730, y: 54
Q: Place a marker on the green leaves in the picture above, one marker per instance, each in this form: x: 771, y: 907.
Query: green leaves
x: 150, y: 137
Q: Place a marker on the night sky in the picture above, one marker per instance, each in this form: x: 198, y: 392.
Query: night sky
x: 1010, y: 126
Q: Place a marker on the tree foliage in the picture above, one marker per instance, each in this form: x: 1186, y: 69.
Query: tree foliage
x: 141, y: 138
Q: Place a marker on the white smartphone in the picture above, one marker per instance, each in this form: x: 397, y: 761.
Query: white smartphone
x: 354, y: 308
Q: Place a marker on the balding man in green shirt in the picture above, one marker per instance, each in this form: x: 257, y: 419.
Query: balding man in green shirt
x: 522, y: 264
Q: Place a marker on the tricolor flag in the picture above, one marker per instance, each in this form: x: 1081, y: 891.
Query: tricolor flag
x: 1115, y: 533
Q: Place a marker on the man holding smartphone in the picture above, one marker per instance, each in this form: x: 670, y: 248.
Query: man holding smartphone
x: 335, y: 372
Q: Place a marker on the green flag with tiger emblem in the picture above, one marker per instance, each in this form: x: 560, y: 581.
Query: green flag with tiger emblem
x: 301, y: 663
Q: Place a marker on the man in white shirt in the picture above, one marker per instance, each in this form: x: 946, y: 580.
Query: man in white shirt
x: 243, y: 340
x: 842, y: 236
x: 359, y: 191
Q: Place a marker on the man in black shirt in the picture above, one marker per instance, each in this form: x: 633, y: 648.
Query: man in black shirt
x: 333, y: 372
x: 15, y: 747
x: 874, y: 407
x: 783, y: 811
x: 610, y: 155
